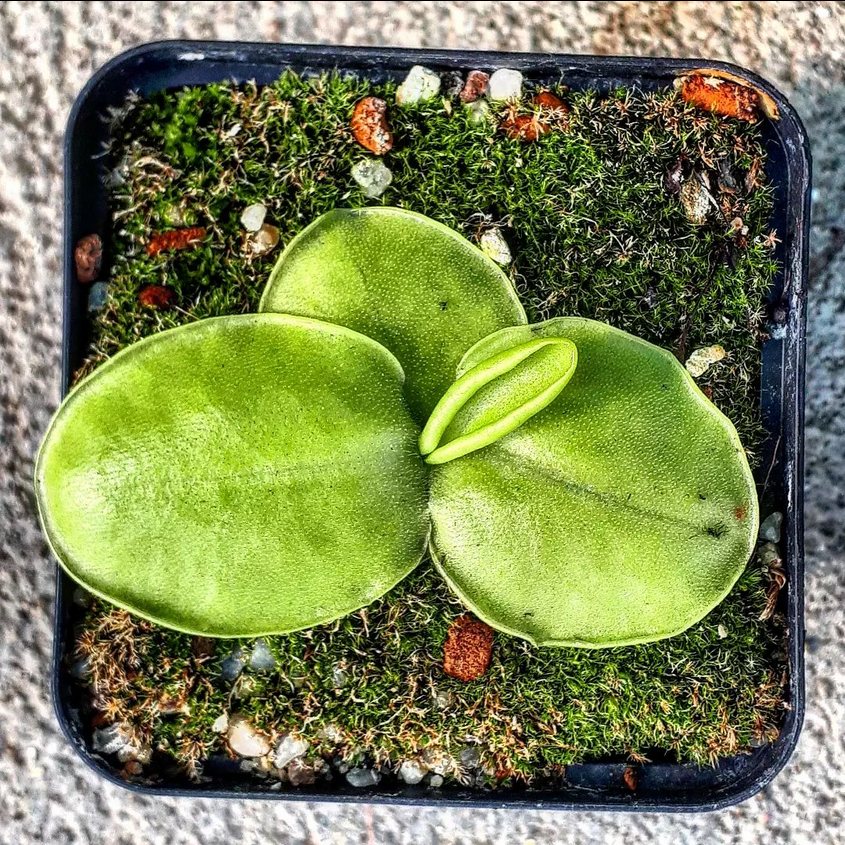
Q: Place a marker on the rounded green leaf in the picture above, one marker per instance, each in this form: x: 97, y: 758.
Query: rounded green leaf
x: 621, y: 513
x: 405, y: 280
x: 496, y: 396
x: 237, y: 476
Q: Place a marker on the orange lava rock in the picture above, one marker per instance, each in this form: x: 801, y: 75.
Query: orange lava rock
x: 720, y: 96
x: 547, y: 100
x: 88, y: 257
x: 369, y: 125
x: 156, y: 296
x: 469, y: 645
x: 175, y: 239
x: 475, y: 86
x: 631, y: 777
x: 524, y: 127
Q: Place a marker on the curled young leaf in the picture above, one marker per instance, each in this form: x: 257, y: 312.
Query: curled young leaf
x: 622, y: 513
x: 496, y: 396
x: 407, y: 281
x: 237, y: 476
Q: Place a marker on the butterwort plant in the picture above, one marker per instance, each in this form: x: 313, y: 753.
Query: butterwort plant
x: 264, y: 473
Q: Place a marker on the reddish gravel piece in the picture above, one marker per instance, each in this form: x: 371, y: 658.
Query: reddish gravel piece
x: 524, y: 127
x: 547, y: 100
x: 721, y: 96
x: 175, y: 239
x: 469, y: 645
x: 156, y: 296
x: 369, y: 125
x: 475, y: 86
x: 88, y: 257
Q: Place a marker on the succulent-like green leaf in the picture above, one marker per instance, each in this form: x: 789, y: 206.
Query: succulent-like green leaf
x: 496, y: 396
x: 621, y: 513
x: 237, y: 476
x: 403, y: 279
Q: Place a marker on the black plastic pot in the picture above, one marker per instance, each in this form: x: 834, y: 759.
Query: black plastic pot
x: 598, y: 785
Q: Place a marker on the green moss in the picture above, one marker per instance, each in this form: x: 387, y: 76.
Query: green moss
x: 593, y: 232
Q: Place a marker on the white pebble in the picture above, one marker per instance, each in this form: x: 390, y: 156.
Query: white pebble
x: 221, y: 724
x: 289, y: 749
x: 98, y: 296
x: 120, y: 739
x: 331, y: 733
x: 505, y: 84
x: 262, y: 658
x: 253, y: 216
x: 771, y: 526
x: 373, y: 175
x: 701, y: 360
x: 412, y: 771
x: 420, y: 84
x: 495, y: 247
x: 362, y: 777
x: 436, y: 781
x: 245, y: 740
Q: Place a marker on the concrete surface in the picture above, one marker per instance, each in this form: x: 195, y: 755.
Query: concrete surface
x: 47, y: 51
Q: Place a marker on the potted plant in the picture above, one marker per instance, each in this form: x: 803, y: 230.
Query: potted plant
x: 372, y: 355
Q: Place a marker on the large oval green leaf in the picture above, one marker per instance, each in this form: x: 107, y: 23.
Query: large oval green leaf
x: 238, y: 476
x: 621, y: 513
x: 405, y: 280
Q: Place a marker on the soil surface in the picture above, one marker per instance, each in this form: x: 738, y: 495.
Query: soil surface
x: 49, y: 50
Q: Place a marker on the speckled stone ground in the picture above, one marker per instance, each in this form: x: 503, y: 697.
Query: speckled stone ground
x: 47, y: 51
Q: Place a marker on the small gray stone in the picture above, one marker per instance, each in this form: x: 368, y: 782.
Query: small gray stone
x: 771, y: 527
x: 777, y: 331
x: 262, y: 658
x: 98, y: 295
x: 80, y: 668
x: 111, y: 739
x: 362, y: 777
x: 505, y: 84
x: 373, y: 175
x: 436, y: 781
x: 470, y: 757
x: 769, y: 554
x: 495, y: 247
x: 301, y: 774
x: 339, y: 677
x: 232, y: 666
x: 245, y: 740
x: 439, y: 761
x: 453, y: 84
x: 82, y: 597
x: 444, y: 699
x: 331, y: 733
x: 412, y: 771
x: 253, y: 216
x: 289, y: 748
x: 119, y: 739
x: 420, y: 84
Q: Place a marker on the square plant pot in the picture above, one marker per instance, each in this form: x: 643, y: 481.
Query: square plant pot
x: 663, y: 786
